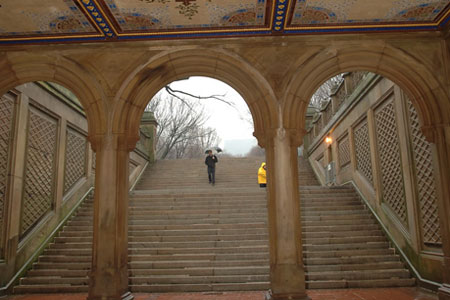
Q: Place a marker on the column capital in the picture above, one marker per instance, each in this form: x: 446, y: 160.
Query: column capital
x: 293, y: 135
x: 122, y: 141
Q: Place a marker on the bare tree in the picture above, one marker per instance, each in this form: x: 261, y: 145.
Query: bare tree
x: 323, y: 93
x: 180, y: 131
x: 256, y: 151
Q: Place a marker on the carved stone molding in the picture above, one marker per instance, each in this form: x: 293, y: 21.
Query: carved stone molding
x: 267, y: 137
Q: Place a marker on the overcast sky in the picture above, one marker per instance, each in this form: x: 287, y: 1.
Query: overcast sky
x: 229, y: 122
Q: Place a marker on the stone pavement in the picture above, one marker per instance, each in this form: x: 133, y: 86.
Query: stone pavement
x: 345, y: 294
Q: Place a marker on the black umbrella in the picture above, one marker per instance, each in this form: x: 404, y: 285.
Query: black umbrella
x: 213, y: 149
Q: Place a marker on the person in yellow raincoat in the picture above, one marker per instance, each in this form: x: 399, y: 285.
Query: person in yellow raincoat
x: 262, y: 175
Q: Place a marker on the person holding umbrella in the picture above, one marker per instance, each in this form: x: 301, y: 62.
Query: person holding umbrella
x: 210, y: 162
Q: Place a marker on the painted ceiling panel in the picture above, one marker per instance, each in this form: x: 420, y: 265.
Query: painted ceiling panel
x: 51, y: 21
x: 33, y: 17
x: 313, y: 12
x: 141, y: 15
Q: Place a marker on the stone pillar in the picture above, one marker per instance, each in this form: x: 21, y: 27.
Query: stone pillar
x: 16, y: 181
x: 148, y: 127
x: 108, y: 278
x: 287, y: 274
x: 440, y: 136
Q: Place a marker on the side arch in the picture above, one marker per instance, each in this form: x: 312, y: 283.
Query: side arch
x: 20, y: 68
x: 414, y: 77
x: 169, y: 66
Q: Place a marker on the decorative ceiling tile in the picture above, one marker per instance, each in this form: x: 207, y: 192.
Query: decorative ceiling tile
x: 49, y: 21
x: 152, y: 15
x: 49, y: 17
x: 326, y: 12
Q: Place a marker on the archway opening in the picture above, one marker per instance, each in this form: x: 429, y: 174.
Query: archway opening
x: 200, y: 232
x: 46, y: 170
x: 365, y: 133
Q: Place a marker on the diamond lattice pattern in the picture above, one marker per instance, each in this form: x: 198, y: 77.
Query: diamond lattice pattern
x: 344, y: 151
x: 6, y: 113
x: 362, y: 150
x: 75, y: 159
x: 39, y: 173
x: 390, y: 162
x: 426, y: 188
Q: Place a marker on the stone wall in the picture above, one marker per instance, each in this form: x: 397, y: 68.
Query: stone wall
x: 378, y: 146
x: 46, y: 167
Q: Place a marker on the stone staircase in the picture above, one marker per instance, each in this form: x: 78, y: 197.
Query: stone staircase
x: 185, y: 235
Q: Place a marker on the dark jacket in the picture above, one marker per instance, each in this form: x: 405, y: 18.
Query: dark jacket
x: 211, y: 161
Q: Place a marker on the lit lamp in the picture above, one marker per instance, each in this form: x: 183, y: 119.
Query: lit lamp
x: 328, y: 140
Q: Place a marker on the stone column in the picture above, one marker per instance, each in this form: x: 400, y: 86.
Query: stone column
x: 440, y: 136
x: 108, y: 278
x: 16, y: 181
x: 148, y: 127
x: 287, y: 274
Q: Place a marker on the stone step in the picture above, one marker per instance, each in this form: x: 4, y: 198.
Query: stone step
x: 336, y: 234
x: 192, y: 244
x: 372, y: 283
x: 327, y: 253
x: 198, y: 221
x: 203, y: 271
x: 173, y: 288
x: 169, y: 233
x: 380, y: 265
x: 358, y: 275
x: 195, y: 271
x: 50, y: 288
x: 318, y: 227
x: 185, y: 235
x: 183, y: 279
x: 195, y: 264
x: 352, y: 246
x: 207, y: 250
x: 322, y: 223
x: 345, y: 240
x: 194, y: 215
x: 355, y: 215
x: 55, y: 280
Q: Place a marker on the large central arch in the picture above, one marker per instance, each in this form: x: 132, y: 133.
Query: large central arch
x: 169, y: 66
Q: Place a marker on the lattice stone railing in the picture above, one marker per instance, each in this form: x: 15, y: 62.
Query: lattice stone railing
x: 344, y: 151
x: 327, y: 114
x: 40, y: 168
x: 426, y: 188
x: 75, y: 168
x: 356, y: 77
x: 340, y: 95
x: 362, y: 150
x: 318, y: 126
x: 6, y: 113
x: 393, y: 191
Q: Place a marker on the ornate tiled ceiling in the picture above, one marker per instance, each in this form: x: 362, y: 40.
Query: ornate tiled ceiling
x: 46, y: 21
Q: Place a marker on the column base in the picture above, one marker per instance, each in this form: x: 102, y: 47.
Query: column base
x: 444, y: 292
x: 126, y: 296
x: 290, y: 296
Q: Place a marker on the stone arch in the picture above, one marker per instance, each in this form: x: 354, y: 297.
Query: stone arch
x: 21, y: 68
x: 166, y: 67
x: 414, y: 77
